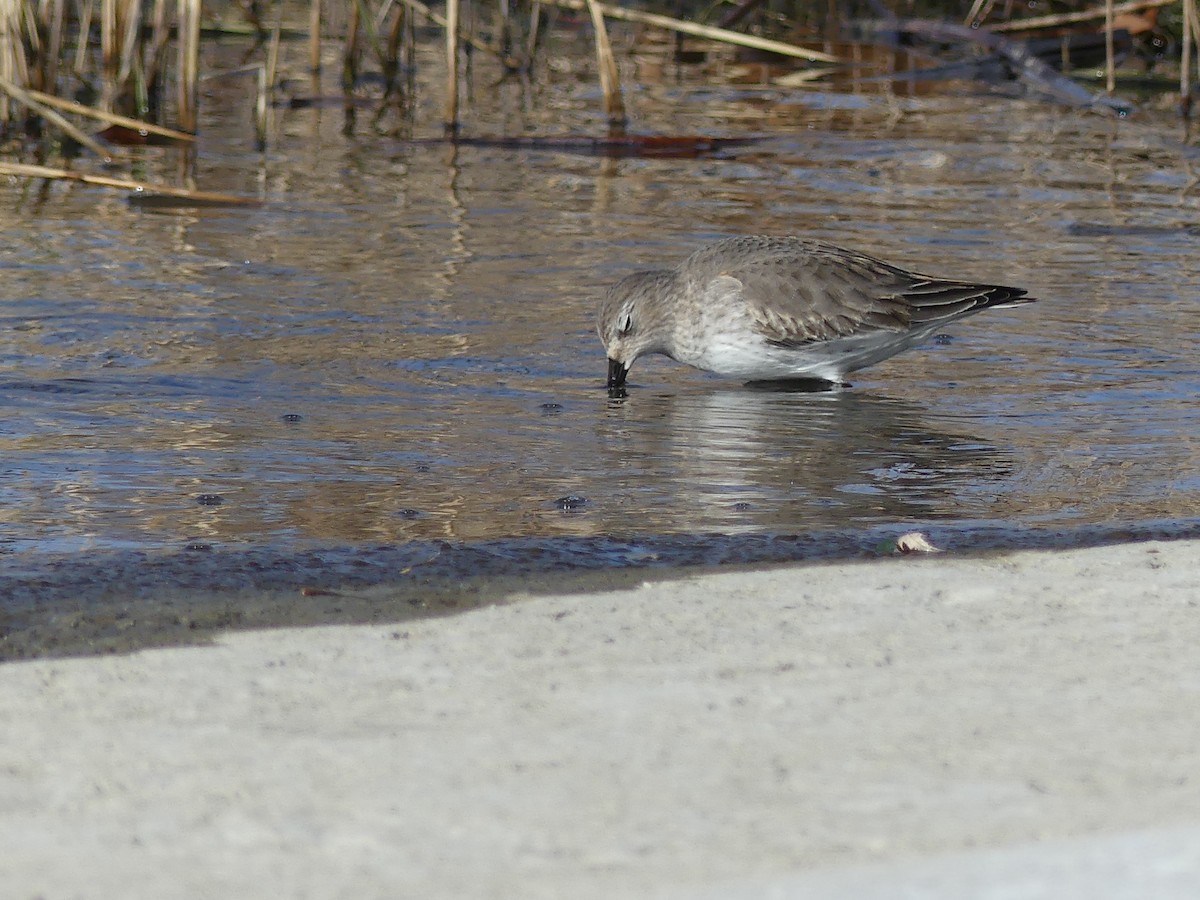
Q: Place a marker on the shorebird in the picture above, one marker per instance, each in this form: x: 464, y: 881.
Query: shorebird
x: 765, y: 308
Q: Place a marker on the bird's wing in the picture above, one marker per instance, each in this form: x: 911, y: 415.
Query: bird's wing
x: 796, y: 298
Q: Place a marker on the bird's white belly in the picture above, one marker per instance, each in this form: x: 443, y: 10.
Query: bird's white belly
x: 754, y: 359
x: 749, y: 356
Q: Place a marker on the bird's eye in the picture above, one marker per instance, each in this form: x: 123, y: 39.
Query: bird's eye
x: 628, y: 326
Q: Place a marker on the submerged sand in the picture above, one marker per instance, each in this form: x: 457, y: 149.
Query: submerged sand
x: 1024, y: 725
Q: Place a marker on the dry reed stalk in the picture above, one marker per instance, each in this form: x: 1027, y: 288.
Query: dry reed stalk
x: 450, y: 121
x: 351, y: 50
x: 394, y: 93
x: 408, y: 56
x: 52, y: 22
x: 156, y: 53
x: 1035, y: 23
x: 108, y: 53
x: 980, y: 10
x: 1190, y: 36
x: 427, y: 13
x: 535, y: 32
x: 247, y: 69
x: 370, y: 27
x: 314, y: 37
x: 521, y: 41
x: 266, y: 85
x: 28, y: 29
x: 704, y: 31
x: 260, y: 109
x: 610, y: 77
x: 381, y: 16
x: 81, y: 46
x: 24, y: 170
x: 502, y: 29
x: 391, y: 63
x: 131, y: 28
x: 12, y: 51
x: 466, y: 25
x: 111, y: 118
x: 801, y: 78
x: 743, y: 8
x: 23, y: 97
x: 1110, y: 65
x: 392, y: 51
x: 187, y: 74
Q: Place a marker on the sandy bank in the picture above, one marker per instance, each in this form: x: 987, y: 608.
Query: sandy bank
x: 950, y: 727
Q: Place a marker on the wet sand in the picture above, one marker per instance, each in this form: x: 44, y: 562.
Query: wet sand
x: 1018, y: 725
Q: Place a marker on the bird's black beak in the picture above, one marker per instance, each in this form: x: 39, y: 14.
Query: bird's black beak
x: 616, y: 375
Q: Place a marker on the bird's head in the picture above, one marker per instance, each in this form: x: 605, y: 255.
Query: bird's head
x: 633, y: 321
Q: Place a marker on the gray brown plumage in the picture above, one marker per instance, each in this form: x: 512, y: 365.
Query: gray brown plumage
x: 781, y: 308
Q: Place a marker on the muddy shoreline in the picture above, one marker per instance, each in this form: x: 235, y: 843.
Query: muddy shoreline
x: 81, y: 605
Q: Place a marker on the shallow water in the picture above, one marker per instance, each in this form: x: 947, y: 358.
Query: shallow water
x: 397, y: 349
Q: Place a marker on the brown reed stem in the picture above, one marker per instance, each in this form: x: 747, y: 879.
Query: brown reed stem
x: 535, y: 33
x: 160, y: 34
x: 502, y: 29
x: 473, y: 40
x: 81, y: 46
x: 696, y: 30
x: 1190, y: 28
x: 979, y: 11
x: 314, y: 37
x: 610, y: 77
x: 54, y: 44
x: 1110, y: 65
x: 370, y: 30
x: 350, y: 50
x: 391, y: 63
x: 111, y: 118
x: 266, y: 84
x: 109, y: 56
x: 23, y: 97
x: 189, y: 62
x: 1034, y: 23
x: 12, y: 53
x: 450, y: 120
x: 24, y: 170
x: 130, y: 32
